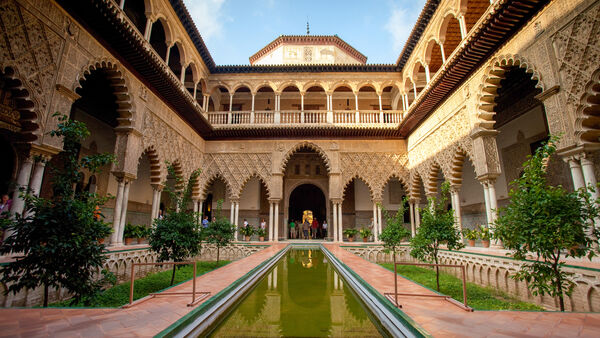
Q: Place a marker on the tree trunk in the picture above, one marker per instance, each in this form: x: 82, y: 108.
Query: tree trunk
x: 217, y: 255
x: 173, y: 275
x: 45, y: 295
x: 558, y: 286
x: 437, y: 273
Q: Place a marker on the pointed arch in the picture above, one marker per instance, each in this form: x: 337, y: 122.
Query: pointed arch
x: 365, y: 181
x: 157, y: 173
x: 456, y: 166
x: 415, y: 186
x: 488, y: 90
x: 254, y: 174
x: 119, y: 85
x: 204, y: 184
x: 309, y: 145
x: 587, y: 120
x: 434, y: 171
x: 25, y: 104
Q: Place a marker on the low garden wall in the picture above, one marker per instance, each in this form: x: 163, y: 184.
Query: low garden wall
x: 495, y: 271
x: 119, y: 263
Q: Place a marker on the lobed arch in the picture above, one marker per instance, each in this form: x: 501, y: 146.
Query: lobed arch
x: 490, y: 82
x: 256, y: 175
x: 456, y: 166
x: 158, y: 174
x: 204, y: 184
x: 416, y: 182
x: 394, y: 175
x: 343, y: 83
x: 432, y: 178
x: 587, y: 113
x: 25, y: 104
x: 309, y: 145
x: 119, y: 83
x: 359, y: 177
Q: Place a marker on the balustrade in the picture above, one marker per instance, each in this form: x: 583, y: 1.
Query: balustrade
x: 295, y: 117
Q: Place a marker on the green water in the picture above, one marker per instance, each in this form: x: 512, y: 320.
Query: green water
x: 302, y: 296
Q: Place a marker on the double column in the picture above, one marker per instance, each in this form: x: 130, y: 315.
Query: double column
x: 234, y: 215
x: 455, y: 200
x: 377, y: 224
x: 274, y: 220
x: 491, y: 204
x: 120, y: 211
x: 29, y: 179
x: 157, y: 189
x: 414, y: 212
x: 338, y: 235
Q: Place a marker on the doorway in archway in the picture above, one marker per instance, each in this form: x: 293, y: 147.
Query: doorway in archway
x: 307, y: 197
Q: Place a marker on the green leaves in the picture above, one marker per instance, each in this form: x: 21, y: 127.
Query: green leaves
x: 220, y: 232
x: 548, y: 221
x: 57, y: 239
x: 394, y: 232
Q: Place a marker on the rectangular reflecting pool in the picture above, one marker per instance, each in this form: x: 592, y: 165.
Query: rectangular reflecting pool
x: 302, y: 296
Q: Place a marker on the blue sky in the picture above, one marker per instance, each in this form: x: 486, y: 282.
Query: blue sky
x: 233, y: 30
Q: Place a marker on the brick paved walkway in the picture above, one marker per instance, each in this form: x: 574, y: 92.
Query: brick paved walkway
x: 143, y: 320
x: 442, y: 319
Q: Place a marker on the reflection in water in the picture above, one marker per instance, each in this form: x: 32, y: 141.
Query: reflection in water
x: 302, y: 296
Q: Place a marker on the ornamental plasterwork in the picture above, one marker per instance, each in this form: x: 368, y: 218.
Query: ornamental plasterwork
x: 169, y: 144
x: 452, y: 132
x: 375, y: 169
x: 235, y: 169
x: 577, y: 48
x: 27, y: 46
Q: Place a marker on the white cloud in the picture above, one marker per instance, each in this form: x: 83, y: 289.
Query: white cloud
x: 208, y: 16
x: 402, y: 21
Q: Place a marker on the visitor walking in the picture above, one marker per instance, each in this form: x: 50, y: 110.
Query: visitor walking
x: 263, y: 224
x: 205, y: 222
x: 324, y: 229
x: 305, y: 227
x: 315, y: 226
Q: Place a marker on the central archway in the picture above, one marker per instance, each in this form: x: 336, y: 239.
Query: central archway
x: 307, y: 197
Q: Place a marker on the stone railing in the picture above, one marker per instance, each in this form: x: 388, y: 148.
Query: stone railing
x: 248, y: 119
x: 119, y: 263
x: 495, y: 271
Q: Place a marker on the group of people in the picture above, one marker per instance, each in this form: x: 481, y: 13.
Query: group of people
x: 307, y: 229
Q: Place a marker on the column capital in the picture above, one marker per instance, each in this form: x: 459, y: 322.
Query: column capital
x: 455, y: 188
x: 157, y: 186
x: 377, y: 200
x: 274, y: 200
x: 336, y: 200
x: 124, y: 176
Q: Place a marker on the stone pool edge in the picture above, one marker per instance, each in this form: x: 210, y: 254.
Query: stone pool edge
x: 383, y: 309
x: 211, y: 310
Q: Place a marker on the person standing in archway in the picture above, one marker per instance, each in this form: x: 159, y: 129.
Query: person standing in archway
x: 292, y: 229
x: 315, y: 227
x: 305, y: 227
x: 324, y: 227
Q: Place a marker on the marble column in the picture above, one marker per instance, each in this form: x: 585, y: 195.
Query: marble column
x: 114, y: 238
x: 375, y: 219
x: 411, y: 206
x: 379, y: 223
x: 18, y: 203
x: 236, y: 206
x: 276, y: 223
x: 417, y: 215
x: 36, y: 179
x: 455, y: 200
x: 340, y: 222
x: 336, y: 236
x: 589, y: 178
x: 270, y: 221
x: 124, y: 211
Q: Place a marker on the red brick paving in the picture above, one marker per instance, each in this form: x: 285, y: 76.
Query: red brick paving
x: 143, y: 320
x: 442, y: 319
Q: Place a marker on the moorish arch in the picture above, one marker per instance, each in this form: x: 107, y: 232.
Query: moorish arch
x: 254, y: 175
x: 488, y: 90
x: 305, y: 145
x: 402, y: 179
x: 587, y: 122
x: 24, y: 105
x: 119, y: 85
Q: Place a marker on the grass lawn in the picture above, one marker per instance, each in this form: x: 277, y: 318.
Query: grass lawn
x: 479, y: 298
x: 118, y: 295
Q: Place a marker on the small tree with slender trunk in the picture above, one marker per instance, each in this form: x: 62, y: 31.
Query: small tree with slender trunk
x: 56, y: 239
x: 177, y: 236
x: 394, y: 232
x: 549, y: 221
x: 437, y: 228
x: 220, y: 232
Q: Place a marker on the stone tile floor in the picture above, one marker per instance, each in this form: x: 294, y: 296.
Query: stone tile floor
x: 438, y: 317
x: 442, y: 319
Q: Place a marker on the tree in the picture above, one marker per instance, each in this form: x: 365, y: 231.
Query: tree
x: 177, y: 236
x: 56, y: 239
x: 220, y: 232
x: 394, y: 232
x: 549, y: 221
x: 437, y: 228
